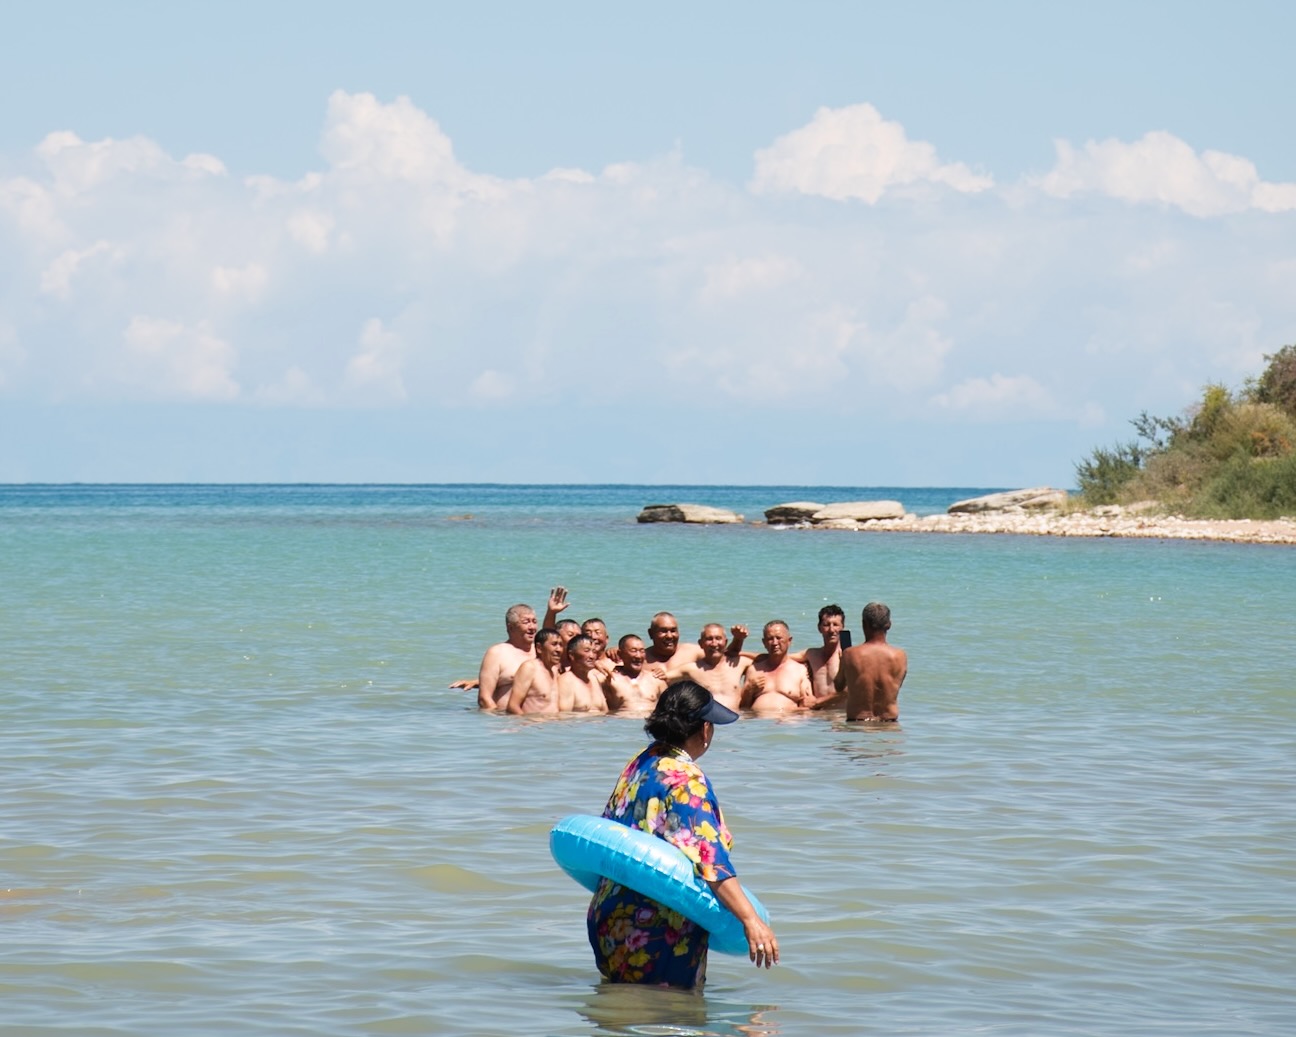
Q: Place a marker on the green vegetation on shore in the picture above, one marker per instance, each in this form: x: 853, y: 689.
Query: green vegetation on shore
x: 1232, y: 454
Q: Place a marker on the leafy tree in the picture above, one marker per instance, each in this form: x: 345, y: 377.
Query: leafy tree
x: 1104, y: 473
x: 1216, y: 402
x: 1159, y: 432
x: 1277, y: 385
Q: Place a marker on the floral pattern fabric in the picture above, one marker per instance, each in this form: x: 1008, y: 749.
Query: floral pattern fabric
x: 636, y: 939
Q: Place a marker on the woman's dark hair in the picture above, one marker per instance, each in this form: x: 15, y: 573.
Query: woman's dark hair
x: 675, y: 718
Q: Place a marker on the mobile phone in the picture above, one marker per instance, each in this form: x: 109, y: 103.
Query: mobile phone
x: 845, y: 639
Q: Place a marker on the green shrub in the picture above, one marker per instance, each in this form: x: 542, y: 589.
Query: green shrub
x: 1277, y: 385
x: 1231, y: 456
x: 1173, y: 477
x: 1102, y: 475
x: 1255, y: 429
x: 1251, y: 487
x: 1216, y: 403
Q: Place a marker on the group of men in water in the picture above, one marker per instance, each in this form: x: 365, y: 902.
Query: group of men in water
x: 569, y: 667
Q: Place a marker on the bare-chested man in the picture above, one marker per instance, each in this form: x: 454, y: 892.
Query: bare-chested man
x: 582, y: 685
x: 664, y: 634
x: 500, y: 663
x: 666, y: 651
x: 567, y: 629
x: 775, y: 682
x: 505, y: 664
x: 719, y: 671
x: 596, y: 630
x: 631, y: 687
x: 535, y: 685
x: 824, y: 662
x: 871, y: 673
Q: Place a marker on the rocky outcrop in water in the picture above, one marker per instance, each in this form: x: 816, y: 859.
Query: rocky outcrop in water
x: 1011, y: 500
x: 842, y: 515
x: 793, y: 513
x: 859, y: 511
x: 696, y: 513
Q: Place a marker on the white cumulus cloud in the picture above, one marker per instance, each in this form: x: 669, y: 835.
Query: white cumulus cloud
x: 377, y: 365
x: 394, y: 275
x: 247, y: 283
x: 393, y: 141
x: 853, y: 152
x: 79, y: 166
x: 56, y: 280
x: 311, y: 228
x: 1161, y: 168
x: 173, y: 360
x: 733, y: 277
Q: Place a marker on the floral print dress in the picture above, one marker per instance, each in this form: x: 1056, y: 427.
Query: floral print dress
x: 636, y: 939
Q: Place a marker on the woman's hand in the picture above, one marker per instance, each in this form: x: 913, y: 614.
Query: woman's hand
x: 762, y: 944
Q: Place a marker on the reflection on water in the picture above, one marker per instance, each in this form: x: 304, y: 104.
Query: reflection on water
x: 621, y: 1009
x: 867, y: 743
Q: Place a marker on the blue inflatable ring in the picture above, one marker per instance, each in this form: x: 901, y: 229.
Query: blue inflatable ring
x: 588, y: 848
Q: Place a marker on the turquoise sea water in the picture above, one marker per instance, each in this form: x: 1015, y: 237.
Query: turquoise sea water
x: 238, y: 797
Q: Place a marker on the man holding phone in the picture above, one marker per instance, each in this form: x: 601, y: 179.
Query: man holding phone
x: 824, y: 662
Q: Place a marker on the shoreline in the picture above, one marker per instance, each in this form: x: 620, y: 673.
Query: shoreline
x: 1087, y: 524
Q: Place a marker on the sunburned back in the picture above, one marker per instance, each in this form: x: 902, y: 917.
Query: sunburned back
x: 871, y: 676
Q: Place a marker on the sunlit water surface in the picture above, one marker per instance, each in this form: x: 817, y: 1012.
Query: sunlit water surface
x: 238, y: 797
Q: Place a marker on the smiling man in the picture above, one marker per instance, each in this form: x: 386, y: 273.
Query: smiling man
x: 667, y: 654
x: 535, y: 685
x: 720, y: 670
x: 500, y: 663
x: 778, y: 683
x: 631, y: 687
x: 823, y: 662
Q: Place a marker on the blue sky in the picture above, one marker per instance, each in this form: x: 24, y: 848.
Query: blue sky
x: 860, y: 244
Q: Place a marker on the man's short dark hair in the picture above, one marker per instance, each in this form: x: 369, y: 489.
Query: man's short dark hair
x: 544, y: 634
x: 831, y: 610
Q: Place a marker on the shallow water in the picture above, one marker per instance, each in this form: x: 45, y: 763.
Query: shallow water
x: 239, y: 798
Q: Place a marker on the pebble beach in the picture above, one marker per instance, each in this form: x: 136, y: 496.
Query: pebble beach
x: 1107, y: 522
x: 1041, y: 511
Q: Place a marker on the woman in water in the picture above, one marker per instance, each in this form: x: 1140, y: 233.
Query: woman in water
x: 663, y: 791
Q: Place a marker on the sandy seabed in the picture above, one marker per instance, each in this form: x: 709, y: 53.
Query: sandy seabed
x: 1100, y: 523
